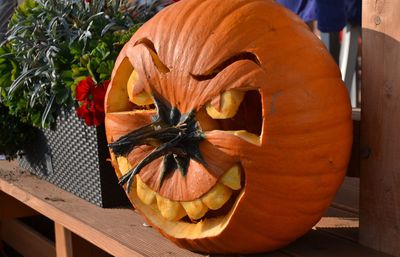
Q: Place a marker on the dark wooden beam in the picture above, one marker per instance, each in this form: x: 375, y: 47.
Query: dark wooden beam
x: 380, y: 127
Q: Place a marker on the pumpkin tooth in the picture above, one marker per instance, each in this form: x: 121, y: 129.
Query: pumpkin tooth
x: 123, y: 165
x: 170, y: 210
x: 232, y: 178
x: 217, y: 196
x: 145, y: 194
x: 195, y: 209
x: 228, y: 105
x: 142, y: 98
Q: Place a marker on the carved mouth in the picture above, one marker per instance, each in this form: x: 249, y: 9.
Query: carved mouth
x: 164, y: 214
x: 175, y: 139
x: 216, y: 202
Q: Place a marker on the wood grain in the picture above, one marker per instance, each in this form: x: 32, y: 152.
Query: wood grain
x: 121, y: 233
x: 63, y: 241
x: 380, y: 138
x: 318, y: 243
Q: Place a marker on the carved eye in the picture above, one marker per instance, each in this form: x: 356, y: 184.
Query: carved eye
x: 237, y: 111
x: 136, y: 93
x: 226, y: 105
x: 225, y: 64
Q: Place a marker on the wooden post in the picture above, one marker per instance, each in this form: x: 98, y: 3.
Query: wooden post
x: 63, y: 241
x: 380, y: 127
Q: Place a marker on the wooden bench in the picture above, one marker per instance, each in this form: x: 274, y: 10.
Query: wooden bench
x: 80, y: 226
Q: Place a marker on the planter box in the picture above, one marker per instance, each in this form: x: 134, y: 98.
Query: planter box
x: 75, y: 158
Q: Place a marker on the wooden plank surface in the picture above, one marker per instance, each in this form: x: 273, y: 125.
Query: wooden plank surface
x: 24, y: 240
x: 63, y: 241
x: 121, y: 233
x: 380, y: 127
x: 320, y: 244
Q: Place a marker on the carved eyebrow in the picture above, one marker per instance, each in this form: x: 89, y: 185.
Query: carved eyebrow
x: 154, y: 55
x: 225, y: 64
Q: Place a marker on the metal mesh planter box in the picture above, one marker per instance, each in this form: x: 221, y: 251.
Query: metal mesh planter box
x: 74, y: 157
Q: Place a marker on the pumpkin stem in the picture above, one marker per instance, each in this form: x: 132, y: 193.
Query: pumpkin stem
x: 176, y: 137
x: 152, y: 135
x: 155, y: 154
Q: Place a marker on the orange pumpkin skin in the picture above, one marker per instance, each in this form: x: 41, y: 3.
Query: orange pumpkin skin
x: 292, y: 176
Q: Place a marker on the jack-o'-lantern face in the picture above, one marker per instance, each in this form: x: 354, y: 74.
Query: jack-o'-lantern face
x: 228, y: 125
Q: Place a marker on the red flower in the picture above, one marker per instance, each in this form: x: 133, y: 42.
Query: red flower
x: 91, y: 101
x: 84, y: 113
x: 83, y: 88
x: 99, y: 91
x: 97, y: 115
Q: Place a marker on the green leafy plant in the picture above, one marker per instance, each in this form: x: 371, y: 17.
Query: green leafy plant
x: 57, y: 43
x: 14, y: 133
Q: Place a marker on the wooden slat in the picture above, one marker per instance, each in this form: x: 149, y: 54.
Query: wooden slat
x: 63, y: 241
x: 341, y: 219
x: 25, y: 240
x: 380, y: 138
x: 272, y: 254
x: 119, y: 232
x: 319, y: 243
x: 340, y: 223
x: 11, y: 208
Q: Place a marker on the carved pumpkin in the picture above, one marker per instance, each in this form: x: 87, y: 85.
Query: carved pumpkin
x: 229, y: 125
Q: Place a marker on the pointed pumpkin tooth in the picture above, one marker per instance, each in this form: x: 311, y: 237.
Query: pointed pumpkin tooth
x: 123, y: 165
x: 232, y: 178
x: 195, y: 209
x: 170, y: 210
x: 217, y: 196
x: 142, y: 98
x: 145, y: 194
x: 229, y: 105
